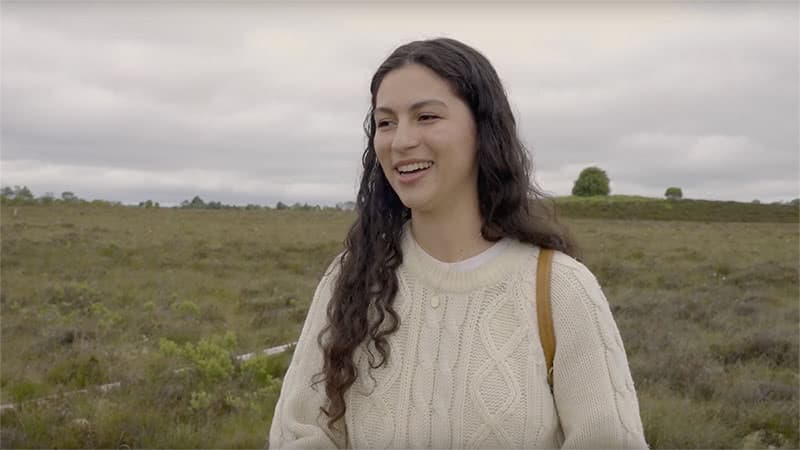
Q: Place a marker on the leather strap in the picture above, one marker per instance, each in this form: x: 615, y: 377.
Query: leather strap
x: 543, y: 311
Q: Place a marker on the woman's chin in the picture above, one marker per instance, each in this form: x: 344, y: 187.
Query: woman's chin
x: 416, y: 204
x: 415, y: 198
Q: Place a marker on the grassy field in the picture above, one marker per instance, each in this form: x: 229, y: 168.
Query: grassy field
x: 708, y: 311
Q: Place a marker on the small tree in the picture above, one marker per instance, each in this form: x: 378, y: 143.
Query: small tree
x: 48, y: 198
x: 281, y: 205
x: 673, y: 193
x: 23, y: 194
x: 69, y: 197
x: 7, y: 193
x: 197, y: 202
x: 591, y: 181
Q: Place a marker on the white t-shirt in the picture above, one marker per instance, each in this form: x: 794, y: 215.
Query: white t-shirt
x: 473, y: 262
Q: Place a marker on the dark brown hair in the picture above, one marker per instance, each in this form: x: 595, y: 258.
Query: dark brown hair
x: 511, y: 205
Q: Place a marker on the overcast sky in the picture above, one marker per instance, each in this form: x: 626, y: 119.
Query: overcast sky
x: 256, y: 103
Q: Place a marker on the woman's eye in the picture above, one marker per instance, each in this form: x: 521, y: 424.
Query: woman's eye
x: 383, y: 123
x: 427, y: 117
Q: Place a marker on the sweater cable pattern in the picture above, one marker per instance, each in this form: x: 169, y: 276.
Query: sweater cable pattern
x: 466, y: 368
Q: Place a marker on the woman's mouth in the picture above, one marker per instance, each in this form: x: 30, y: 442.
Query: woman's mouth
x: 413, y: 172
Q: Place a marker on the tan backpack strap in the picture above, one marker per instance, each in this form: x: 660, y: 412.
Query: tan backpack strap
x: 543, y: 311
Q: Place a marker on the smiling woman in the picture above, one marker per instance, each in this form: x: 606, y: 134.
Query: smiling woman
x: 437, y: 131
x: 438, y: 276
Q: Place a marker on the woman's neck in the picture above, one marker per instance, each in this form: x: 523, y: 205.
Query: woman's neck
x: 449, y: 236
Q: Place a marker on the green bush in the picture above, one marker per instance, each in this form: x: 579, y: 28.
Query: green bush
x: 74, y: 296
x: 200, y: 400
x: 186, y: 308
x: 106, y: 319
x: 264, y: 369
x: 211, y: 357
x: 25, y: 390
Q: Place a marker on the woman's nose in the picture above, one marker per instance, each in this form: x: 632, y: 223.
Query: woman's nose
x: 405, y: 136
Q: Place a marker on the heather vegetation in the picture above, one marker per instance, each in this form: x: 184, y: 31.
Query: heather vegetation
x: 162, y: 300
x: 625, y: 207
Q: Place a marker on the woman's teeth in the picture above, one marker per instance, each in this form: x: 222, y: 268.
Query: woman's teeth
x: 414, y: 167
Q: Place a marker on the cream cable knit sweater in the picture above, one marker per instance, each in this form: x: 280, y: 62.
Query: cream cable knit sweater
x: 466, y: 368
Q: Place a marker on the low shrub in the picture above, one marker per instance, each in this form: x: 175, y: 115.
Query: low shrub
x: 78, y: 371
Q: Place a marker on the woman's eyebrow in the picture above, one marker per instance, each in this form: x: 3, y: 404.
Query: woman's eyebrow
x: 414, y: 107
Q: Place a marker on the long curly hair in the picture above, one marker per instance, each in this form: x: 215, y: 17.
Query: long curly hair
x: 511, y: 205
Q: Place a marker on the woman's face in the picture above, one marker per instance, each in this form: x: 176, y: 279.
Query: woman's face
x: 419, y: 119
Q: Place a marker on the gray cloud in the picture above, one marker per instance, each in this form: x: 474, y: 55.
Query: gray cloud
x: 259, y: 103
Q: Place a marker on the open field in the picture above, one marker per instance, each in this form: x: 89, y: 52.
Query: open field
x: 708, y: 312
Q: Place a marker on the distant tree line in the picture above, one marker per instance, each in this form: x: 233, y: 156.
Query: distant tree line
x: 22, y: 195
x: 198, y: 203
x: 592, y: 181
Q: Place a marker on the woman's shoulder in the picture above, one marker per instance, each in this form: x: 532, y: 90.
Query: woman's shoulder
x: 334, y: 267
x: 565, y: 262
x: 570, y: 275
x: 561, y: 262
x: 578, y: 300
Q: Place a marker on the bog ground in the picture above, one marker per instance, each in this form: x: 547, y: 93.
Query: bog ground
x: 708, y: 311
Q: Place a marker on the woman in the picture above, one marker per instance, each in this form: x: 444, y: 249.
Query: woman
x: 423, y: 331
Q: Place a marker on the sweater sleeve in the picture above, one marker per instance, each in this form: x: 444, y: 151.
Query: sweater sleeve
x: 298, y: 421
x: 592, y: 384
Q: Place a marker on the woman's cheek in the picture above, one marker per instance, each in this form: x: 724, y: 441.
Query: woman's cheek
x: 381, y: 154
x: 380, y: 145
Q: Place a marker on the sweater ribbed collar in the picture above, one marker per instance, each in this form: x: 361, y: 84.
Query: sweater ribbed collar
x: 419, y: 264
